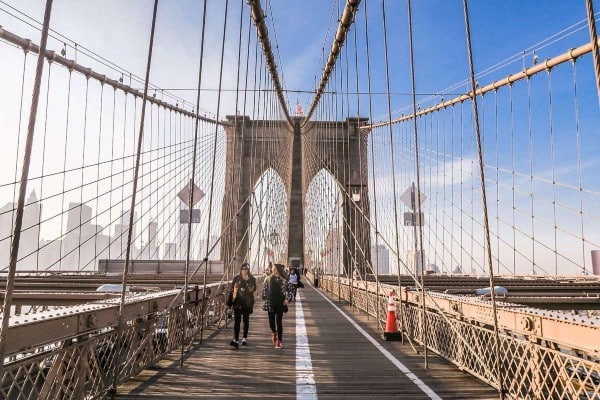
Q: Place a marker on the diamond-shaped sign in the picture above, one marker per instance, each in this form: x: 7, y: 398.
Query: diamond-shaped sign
x: 407, y: 197
x: 184, y: 195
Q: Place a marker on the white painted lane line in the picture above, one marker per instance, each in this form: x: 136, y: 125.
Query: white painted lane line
x: 306, y: 389
x: 407, y: 372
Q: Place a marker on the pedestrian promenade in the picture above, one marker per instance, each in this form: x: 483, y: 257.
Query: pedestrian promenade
x: 329, y: 353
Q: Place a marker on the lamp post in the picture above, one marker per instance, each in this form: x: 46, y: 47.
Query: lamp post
x: 273, y: 242
x: 274, y: 238
x: 356, y: 194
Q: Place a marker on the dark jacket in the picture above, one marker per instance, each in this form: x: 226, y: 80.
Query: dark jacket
x: 275, y: 292
x: 244, y: 301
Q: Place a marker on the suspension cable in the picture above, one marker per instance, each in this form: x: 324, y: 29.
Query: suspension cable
x: 14, y: 248
x: 418, y: 230
x: 191, y: 183
x: 263, y: 34
x: 212, y: 177
x: 570, y: 55
x: 135, y: 184
x: 44, y: 141
x: 346, y: 21
x: 74, y: 66
x: 497, y: 357
x: 371, y: 137
x: 391, y: 139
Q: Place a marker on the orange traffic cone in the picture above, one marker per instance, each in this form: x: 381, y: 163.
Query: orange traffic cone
x: 391, y: 328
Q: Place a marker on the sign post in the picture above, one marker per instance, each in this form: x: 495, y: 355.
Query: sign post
x: 409, y: 197
x: 184, y: 195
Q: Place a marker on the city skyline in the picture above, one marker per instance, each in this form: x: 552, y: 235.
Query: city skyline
x: 83, y: 243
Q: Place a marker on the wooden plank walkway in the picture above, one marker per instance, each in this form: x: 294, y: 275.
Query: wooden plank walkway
x: 345, y: 364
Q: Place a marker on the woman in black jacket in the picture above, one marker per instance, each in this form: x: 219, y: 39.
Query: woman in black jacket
x: 243, y: 287
x: 276, y: 297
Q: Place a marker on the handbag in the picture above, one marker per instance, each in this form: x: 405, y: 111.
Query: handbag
x: 285, y: 308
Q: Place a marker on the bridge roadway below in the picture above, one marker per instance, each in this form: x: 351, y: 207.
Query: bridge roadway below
x: 345, y: 358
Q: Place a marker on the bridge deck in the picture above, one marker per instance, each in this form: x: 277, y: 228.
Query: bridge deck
x: 345, y: 363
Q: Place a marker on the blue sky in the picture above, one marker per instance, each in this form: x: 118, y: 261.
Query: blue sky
x: 504, y: 33
x: 119, y: 30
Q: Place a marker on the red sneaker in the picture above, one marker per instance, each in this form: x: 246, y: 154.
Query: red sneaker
x: 274, y: 338
x: 279, y: 345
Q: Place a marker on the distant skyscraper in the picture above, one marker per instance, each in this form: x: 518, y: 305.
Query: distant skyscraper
x: 170, y: 251
x: 152, y: 230
x: 30, y: 233
x: 83, y: 243
x: 149, y: 251
x: 6, y: 228
x: 415, y: 261
x: 215, y: 252
x: 119, y: 240
x: 49, y: 254
x: 380, y: 258
x: 122, y: 227
x: 77, y: 215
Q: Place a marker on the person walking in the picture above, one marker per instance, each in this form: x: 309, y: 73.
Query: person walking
x: 294, y: 281
x: 243, y: 287
x: 276, y: 296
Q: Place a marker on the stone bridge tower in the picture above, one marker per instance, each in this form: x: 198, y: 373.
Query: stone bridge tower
x: 255, y: 146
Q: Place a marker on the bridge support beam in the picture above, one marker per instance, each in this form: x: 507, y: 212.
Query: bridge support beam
x: 296, y: 202
x: 252, y: 148
x: 357, y: 242
x: 255, y: 146
x: 342, y: 149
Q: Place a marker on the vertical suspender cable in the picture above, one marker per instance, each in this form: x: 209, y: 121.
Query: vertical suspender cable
x: 212, y: 174
x: 351, y: 209
x: 64, y: 183
x: 391, y: 136
x: 531, y: 180
x: 594, y: 41
x: 98, y: 155
x: 343, y: 244
x: 14, y: 248
x: 112, y: 157
x: 134, y: 191
x: 579, y: 166
x: 371, y: 134
x: 219, y: 92
x: 39, y: 222
x: 552, y: 162
x: 417, y: 208
x: 513, y: 180
x: 257, y: 111
x: 80, y: 206
x: 497, y: 162
x: 233, y: 194
x: 191, y: 189
x: 18, y: 144
x: 484, y: 205
x: 368, y: 263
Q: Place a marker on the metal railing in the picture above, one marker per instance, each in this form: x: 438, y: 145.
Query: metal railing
x: 537, y: 363
x: 78, y: 352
